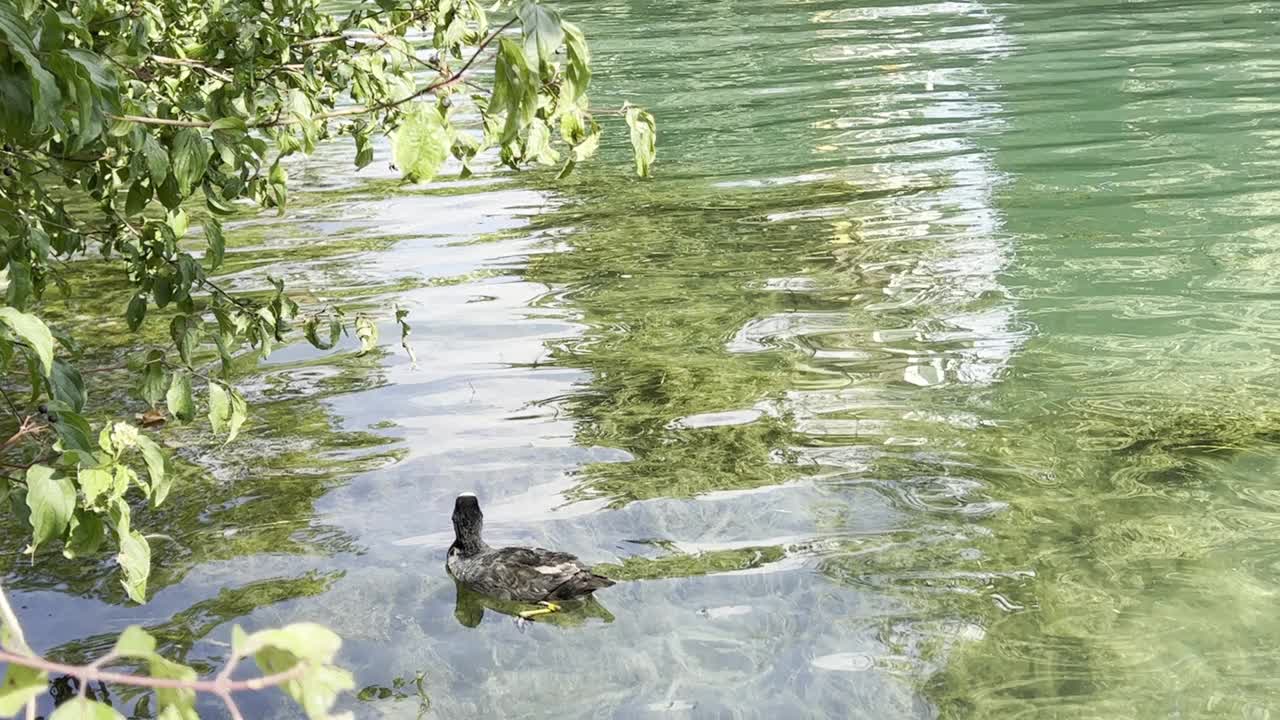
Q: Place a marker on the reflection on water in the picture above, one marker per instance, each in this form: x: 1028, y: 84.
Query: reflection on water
x: 932, y: 378
x: 470, y: 606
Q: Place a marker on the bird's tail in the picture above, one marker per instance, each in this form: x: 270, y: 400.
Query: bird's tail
x: 598, y: 582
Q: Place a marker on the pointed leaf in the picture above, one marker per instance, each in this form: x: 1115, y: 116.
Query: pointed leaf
x: 67, y: 385
x: 136, y: 312
x: 135, y: 642
x: 578, y: 72
x: 31, y: 330
x: 239, y: 413
x: 51, y: 500
x: 86, y: 536
x: 138, y: 197
x: 135, y: 563
x: 179, y: 398
x: 157, y: 159
x: 185, y: 332
x: 421, y: 143
x: 643, y: 139
x: 74, y: 432
x: 543, y: 32
x: 157, y: 469
x: 217, y: 242
x: 153, y: 385
x: 219, y: 408
x: 190, y: 158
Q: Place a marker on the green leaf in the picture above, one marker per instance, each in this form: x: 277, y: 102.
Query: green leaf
x: 74, y: 432
x: 95, y: 483
x: 278, y: 650
x: 46, y: 99
x: 185, y: 333
x: 367, y: 333
x: 136, y: 311
x: 157, y: 159
x: 219, y: 407
x: 543, y: 32
x: 305, y: 641
x: 21, y: 685
x: 421, y: 143
x: 537, y: 146
x: 178, y: 221
x: 515, y: 89
x: 20, y: 287
x: 190, y: 158
x: 135, y: 642
x: 179, y: 399
x: 162, y: 289
x: 644, y: 135
x: 38, y: 240
x: 121, y: 479
x: 153, y: 386
x: 31, y: 330
x: 138, y: 197
x: 86, y: 535
x: 78, y: 708
x: 188, y: 272
x: 135, y: 562
x: 217, y: 242
x: 67, y: 385
x: 51, y: 500
x: 169, y: 193
x: 234, y: 127
x: 364, y: 146
x: 181, y: 702
x: 239, y: 413
x: 157, y: 469
x: 578, y: 72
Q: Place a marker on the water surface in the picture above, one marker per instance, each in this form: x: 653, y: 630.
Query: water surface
x: 932, y: 377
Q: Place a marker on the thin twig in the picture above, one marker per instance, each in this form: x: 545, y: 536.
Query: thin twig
x: 162, y: 60
x: 86, y: 673
x: 344, y: 112
x: 232, y: 708
x: 109, y: 657
x: 12, y: 408
x: 27, y: 428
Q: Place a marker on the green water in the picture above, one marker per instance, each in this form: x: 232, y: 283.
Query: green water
x: 932, y: 377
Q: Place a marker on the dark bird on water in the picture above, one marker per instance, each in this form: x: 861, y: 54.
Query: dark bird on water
x: 532, y: 575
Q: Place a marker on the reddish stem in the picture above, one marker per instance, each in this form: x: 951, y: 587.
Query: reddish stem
x: 221, y: 687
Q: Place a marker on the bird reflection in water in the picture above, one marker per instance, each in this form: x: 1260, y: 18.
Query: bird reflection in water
x: 470, y: 606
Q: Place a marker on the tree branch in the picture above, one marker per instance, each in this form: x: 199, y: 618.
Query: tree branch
x: 344, y: 112
x: 162, y: 60
x: 220, y: 686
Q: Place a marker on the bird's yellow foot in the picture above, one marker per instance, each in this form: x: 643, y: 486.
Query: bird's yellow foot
x: 546, y: 609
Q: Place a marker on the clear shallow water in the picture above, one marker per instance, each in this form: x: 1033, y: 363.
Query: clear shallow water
x: 933, y: 377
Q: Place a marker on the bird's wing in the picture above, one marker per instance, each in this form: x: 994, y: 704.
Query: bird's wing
x: 539, y: 567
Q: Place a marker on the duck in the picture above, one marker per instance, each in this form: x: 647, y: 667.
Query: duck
x: 521, y: 574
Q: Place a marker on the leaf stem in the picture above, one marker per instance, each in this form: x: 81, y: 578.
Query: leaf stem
x: 85, y: 673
